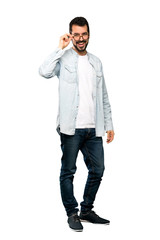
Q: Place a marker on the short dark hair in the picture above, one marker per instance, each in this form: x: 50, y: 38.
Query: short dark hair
x: 80, y: 21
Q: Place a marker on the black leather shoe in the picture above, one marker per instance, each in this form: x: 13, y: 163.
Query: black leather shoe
x: 74, y: 223
x: 93, y: 218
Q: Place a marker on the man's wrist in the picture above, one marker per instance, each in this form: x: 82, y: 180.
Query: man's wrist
x: 60, y: 47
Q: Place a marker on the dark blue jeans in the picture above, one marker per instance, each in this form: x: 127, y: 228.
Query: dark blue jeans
x: 93, y: 153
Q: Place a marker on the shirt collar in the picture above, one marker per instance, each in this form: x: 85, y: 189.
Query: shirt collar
x: 75, y: 53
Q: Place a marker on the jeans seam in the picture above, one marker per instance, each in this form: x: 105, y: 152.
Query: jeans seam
x: 89, y: 156
x: 89, y: 190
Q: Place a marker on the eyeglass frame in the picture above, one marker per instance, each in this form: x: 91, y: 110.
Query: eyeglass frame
x: 84, y: 35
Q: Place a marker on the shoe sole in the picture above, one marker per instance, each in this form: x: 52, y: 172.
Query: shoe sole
x: 82, y: 220
x: 76, y: 230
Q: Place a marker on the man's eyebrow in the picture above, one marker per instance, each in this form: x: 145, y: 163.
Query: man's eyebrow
x: 79, y: 33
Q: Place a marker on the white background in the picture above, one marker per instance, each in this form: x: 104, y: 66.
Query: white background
x: 125, y: 35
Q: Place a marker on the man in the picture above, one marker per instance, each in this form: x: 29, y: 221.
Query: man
x: 83, y: 118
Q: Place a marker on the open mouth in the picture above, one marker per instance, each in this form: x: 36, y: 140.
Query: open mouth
x: 81, y: 44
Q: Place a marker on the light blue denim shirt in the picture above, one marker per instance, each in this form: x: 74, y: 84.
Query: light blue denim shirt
x: 63, y: 64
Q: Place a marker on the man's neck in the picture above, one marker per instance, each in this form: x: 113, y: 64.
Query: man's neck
x: 80, y: 53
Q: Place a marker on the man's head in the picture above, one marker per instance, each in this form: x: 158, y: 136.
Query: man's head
x: 79, y: 28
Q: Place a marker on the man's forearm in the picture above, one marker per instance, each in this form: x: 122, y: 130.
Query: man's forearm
x: 51, y: 65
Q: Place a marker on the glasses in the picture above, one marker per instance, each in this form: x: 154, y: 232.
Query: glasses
x: 77, y: 36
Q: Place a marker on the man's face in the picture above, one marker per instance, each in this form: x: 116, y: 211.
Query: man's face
x: 80, y: 37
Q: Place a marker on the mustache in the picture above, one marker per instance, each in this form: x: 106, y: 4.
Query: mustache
x: 81, y: 41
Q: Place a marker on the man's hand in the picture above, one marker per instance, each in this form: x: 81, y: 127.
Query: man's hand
x: 110, y: 136
x: 65, y: 40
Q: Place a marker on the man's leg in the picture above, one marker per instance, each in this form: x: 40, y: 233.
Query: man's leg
x: 70, y: 145
x: 93, y: 153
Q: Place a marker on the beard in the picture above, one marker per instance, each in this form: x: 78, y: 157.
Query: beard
x: 81, y: 49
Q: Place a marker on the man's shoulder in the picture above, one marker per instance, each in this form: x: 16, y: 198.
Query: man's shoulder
x: 67, y: 57
x: 67, y: 52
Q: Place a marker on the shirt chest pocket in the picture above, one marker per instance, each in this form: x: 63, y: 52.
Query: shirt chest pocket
x: 99, y: 79
x: 69, y: 74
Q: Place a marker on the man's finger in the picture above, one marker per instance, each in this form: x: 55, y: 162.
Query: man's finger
x: 69, y: 35
x: 110, y: 136
x: 66, y: 36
